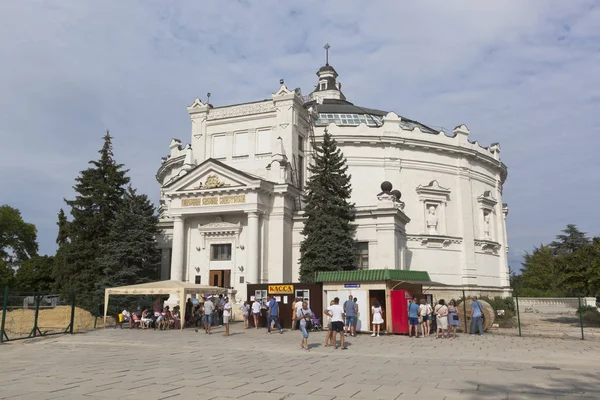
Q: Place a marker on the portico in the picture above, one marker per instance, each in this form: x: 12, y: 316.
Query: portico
x: 220, y: 219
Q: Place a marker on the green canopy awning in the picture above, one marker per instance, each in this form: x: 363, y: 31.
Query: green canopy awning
x: 366, y: 275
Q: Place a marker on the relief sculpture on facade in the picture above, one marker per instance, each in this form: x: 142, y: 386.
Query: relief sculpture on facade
x: 432, y: 221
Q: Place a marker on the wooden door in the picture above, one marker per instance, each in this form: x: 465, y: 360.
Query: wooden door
x: 216, y: 278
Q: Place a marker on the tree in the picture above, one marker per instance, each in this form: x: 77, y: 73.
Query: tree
x: 17, y: 238
x: 515, y: 280
x: 328, y: 231
x: 580, y: 275
x: 36, y: 274
x: 540, y: 273
x: 7, y: 276
x: 63, y: 228
x: 130, y: 253
x: 571, y: 240
x: 100, y: 190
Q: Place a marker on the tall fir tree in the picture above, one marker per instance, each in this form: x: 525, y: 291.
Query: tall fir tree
x: 130, y: 253
x: 63, y: 228
x: 100, y: 190
x: 328, y: 231
x: 571, y: 239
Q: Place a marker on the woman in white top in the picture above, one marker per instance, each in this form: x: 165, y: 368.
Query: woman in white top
x: 376, y: 310
x: 425, y: 310
x: 256, y: 312
x: 245, y: 308
x: 441, y: 313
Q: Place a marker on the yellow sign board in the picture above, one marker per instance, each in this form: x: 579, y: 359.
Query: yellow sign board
x: 281, y: 289
x: 214, y: 200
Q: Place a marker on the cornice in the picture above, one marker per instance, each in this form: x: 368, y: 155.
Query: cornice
x: 487, y: 246
x: 435, y: 241
x: 374, y: 139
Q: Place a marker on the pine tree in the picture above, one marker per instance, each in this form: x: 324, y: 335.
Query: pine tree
x: 100, y: 190
x: 571, y: 240
x: 63, y: 228
x: 130, y: 254
x: 328, y: 230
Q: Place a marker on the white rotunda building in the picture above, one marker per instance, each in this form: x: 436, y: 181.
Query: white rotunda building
x: 231, y: 199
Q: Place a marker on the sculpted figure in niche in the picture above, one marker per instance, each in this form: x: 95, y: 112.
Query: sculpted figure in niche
x: 432, y: 221
x: 486, y: 225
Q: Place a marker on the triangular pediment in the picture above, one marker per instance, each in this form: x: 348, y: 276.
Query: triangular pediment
x: 213, y: 175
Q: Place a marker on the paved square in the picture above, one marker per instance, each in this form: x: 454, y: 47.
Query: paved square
x: 249, y: 364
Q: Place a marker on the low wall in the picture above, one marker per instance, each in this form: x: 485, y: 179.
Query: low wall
x: 555, y: 302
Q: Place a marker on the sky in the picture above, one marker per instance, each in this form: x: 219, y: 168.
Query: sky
x: 522, y: 73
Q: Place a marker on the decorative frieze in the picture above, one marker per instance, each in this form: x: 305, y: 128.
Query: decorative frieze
x: 238, y: 111
x: 214, y: 200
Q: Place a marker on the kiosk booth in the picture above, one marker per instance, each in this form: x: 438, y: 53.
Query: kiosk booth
x: 392, y: 288
x: 286, y: 294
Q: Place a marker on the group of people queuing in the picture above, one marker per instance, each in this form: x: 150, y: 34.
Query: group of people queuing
x: 421, y: 315
x: 441, y: 320
x: 214, y: 311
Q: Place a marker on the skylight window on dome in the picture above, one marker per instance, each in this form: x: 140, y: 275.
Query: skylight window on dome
x: 348, y: 119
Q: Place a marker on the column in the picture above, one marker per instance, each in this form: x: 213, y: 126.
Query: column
x: 252, y: 267
x: 178, y: 249
x: 164, y: 264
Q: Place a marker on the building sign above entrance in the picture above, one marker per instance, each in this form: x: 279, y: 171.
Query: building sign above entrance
x: 214, y: 200
x: 281, y: 289
x: 351, y: 285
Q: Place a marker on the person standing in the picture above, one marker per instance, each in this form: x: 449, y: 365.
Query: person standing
x: 296, y: 305
x: 220, y: 304
x: 273, y: 312
x: 453, y: 319
x: 357, y: 315
x: 329, y: 332
x: 476, y: 317
x: 226, y: 315
x: 304, y: 315
x: 256, y: 311
x: 441, y: 312
x: 377, y: 311
x: 189, y: 306
x: 413, y: 318
x: 425, y: 311
x: 245, y: 308
x: 336, y: 313
x: 209, y: 308
x: 350, y: 309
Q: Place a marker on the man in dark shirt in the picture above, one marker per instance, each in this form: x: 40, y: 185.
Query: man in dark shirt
x: 273, y: 313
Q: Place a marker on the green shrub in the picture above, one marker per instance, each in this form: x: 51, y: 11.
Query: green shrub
x: 507, y: 320
x: 585, y: 309
x: 500, y: 303
x: 591, y: 318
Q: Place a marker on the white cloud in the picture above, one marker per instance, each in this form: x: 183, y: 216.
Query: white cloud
x: 521, y: 73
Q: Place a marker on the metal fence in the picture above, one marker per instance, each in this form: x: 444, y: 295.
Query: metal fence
x: 564, y: 318
x: 28, y: 315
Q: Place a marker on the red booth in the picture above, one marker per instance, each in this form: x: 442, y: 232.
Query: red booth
x: 399, y: 301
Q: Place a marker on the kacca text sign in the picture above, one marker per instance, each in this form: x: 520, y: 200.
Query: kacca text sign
x: 281, y: 289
